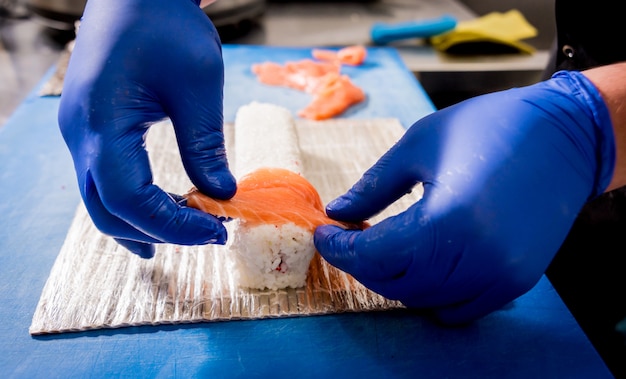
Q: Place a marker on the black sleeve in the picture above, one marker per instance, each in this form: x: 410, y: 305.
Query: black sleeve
x: 589, y: 34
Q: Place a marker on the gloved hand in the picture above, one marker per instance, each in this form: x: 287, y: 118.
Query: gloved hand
x: 136, y: 62
x: 504, y: 177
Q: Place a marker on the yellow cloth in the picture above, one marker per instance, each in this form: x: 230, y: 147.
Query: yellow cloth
x: 499, y: 28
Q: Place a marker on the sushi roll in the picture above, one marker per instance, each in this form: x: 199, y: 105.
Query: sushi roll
x: 275, y: 209
x: 268, y: 255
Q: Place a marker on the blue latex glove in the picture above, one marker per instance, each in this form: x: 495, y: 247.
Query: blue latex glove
x: 504, y: 177
x: 136, y: 62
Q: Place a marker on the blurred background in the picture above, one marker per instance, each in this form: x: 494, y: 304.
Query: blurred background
x: 33, y: 34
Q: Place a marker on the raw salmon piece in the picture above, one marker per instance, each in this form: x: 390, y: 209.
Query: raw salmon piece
x: 350, y: 55
x: 325, y: 55
x: 334, y: 94
x: 273, y: 196
x: 302, y: 75
x: 270, y: 73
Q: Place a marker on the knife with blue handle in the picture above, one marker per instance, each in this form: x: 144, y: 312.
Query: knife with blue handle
x: 383, y: 33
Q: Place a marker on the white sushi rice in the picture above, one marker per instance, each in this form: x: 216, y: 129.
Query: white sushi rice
x: 265, y: 136
x: 268, y: 256
x: 273, y: 257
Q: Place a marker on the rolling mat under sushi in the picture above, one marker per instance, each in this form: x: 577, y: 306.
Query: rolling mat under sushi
x: 95, y: 283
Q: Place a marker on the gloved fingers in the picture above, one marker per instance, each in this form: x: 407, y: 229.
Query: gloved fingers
x: 196, y: 114
x: 381, y: 185
x: 336, y: 246
x: 155, y: 213
x: 143, y: 249
x: 201, y: 145
x: 400, y: 259
x: 107, y: 222
x: 179, y: 199
x: 339, y: 248
x: 383, y: 252
x: 126, y: 235
x: 123, y: 180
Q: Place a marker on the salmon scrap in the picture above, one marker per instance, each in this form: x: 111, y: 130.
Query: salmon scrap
x: 332, y: 92
x: 303, y: 75
x: 350, y: 55
x: 273, y: 196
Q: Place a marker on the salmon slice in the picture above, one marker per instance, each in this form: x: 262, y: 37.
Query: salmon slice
x: 303, y: 75
x: 350, y: 55
x: 334, y: 94
x: 273, y: 196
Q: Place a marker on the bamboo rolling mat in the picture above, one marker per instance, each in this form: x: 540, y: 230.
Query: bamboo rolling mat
x: 94, y: 283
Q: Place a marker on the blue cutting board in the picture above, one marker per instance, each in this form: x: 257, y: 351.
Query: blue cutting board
x: 535, y: 337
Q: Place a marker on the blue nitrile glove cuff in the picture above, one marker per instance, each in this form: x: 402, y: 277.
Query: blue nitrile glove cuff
x: 604, y: 135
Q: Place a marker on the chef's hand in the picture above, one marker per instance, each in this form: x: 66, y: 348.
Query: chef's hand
x: 504, y: 177
x: 136, y: 62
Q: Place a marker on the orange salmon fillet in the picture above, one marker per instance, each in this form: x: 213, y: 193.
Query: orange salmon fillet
x: 302, y: 75
x: 350, y: 55
x: 273, y: 196
x: 334, y: 94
